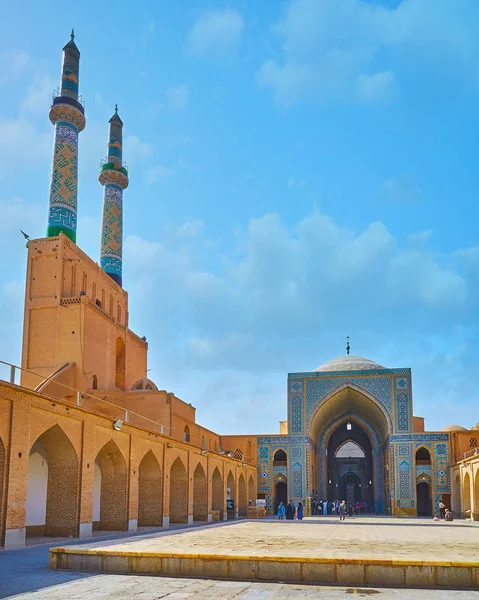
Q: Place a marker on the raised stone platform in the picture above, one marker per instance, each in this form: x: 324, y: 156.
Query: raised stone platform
x: 361, y: 551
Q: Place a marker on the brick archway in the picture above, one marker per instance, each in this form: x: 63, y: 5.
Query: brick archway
x: 150, y: 494
x: 61, y: 511
x: 242, y: 499
x: 2, y: 487
x: 178, y: 493
x: 113, y: 488
x: 218, y: 499
x: 200, y: 494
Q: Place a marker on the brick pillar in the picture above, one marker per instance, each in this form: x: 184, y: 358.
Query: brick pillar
x: 166, y: 486
x: 133, y: 486
x: 190, y: 475
x: 209, y: 475
x: 15, y: 526
x: 87, y: 479
x: 236, y: 494
x: 225, y: 493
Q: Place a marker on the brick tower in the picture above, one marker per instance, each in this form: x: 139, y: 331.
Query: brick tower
x: 114, y: 177
x: 68, y: 115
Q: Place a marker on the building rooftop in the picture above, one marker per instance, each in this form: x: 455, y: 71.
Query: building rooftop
x: 349, y: 363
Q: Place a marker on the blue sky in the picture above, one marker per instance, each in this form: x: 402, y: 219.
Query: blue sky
x: 299, y: 171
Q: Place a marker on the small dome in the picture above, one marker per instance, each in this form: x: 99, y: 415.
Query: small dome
x: 454, y: 428
x: 350, y: 363
x: 144, y: 385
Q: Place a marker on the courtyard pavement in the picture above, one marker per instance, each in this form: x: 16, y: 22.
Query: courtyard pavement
x: 24, y: 573
x: 318, y: 537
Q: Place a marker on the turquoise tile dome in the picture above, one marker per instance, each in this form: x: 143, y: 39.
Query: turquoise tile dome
x: 350, y: 363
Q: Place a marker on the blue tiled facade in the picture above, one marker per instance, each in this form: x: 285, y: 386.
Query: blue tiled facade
x: 394, y: 445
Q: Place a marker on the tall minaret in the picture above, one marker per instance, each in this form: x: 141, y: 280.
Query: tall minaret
x: 114, y: 177
x: 68, y: 116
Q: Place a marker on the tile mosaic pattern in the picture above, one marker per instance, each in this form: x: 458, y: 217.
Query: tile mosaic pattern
x: 64, y: 181
x: 112, y: 230
x: 70, y: 70
x: 111, y: 249
x: 318, y: 389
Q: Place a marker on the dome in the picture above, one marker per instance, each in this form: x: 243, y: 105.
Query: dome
x: 144, y: 385
x: 350, y: 363
x: 454, y: 428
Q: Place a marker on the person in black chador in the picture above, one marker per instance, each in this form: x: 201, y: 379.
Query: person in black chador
x: 290, y: 512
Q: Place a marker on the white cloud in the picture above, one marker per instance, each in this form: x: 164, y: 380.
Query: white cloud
x: 216, y: 34
x: 12, y: 65
x: 379, y: 87
x: 158, y: 173
x: 39, y: 94
x: 283, y: 298
x: 178, y: 95
x: 401, y: 190
x: 351, y: 49
x: 134, y: 149
x: 17, y: 138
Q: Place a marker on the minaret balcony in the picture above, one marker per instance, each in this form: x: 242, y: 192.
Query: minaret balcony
x: 113, y: 173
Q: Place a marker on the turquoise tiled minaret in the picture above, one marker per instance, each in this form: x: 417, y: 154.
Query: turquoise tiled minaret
x: 68, y: 116
x: 114, y: 176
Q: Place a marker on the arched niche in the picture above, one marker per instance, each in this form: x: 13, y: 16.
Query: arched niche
x: 200, y: 494
x: 150, y: 491
x: 112, y: 479
x: 52, y: 492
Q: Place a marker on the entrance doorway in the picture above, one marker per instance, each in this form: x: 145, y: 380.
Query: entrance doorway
x: 280, y: 494
x: 424, y: 501
x: 350, y: 465
x: 350, y: 486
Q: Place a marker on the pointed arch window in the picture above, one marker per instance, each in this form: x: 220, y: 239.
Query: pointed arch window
x: 186, y: 434
x: 280, y: 459
x: 350, y: 450
x: 423, y: 457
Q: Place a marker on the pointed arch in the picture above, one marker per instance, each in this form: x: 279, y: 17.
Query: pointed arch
x: 150, y: 491
x: 251, y: 490
x: 466, y: 496
x: 242, y: 499
x: 178, y: 492
x: 218, y: 499
x: 350, y: 449
x: 423, y: 455
x: 113, y: 488
x: 280, y: 457
x: 186, y: 434
x: 200, y: 494
x: 53, y: 471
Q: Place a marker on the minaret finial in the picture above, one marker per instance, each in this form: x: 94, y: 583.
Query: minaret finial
x: 73, y: 34
x: 116, y: 109
x: 348, y: 347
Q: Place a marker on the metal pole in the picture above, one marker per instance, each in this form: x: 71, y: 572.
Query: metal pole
x: 78, y: 398
x: 126, y: 416
x: 12, y: 373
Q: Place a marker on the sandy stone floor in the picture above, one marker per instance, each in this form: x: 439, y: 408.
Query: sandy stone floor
x: 325, y: 537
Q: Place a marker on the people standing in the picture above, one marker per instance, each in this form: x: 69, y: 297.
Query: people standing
x: 325, y: 507
x: 342, y: 511
x: 300, y: 512
x: 290, y: 512
x: 442, y: 509
x: 281, y: 511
